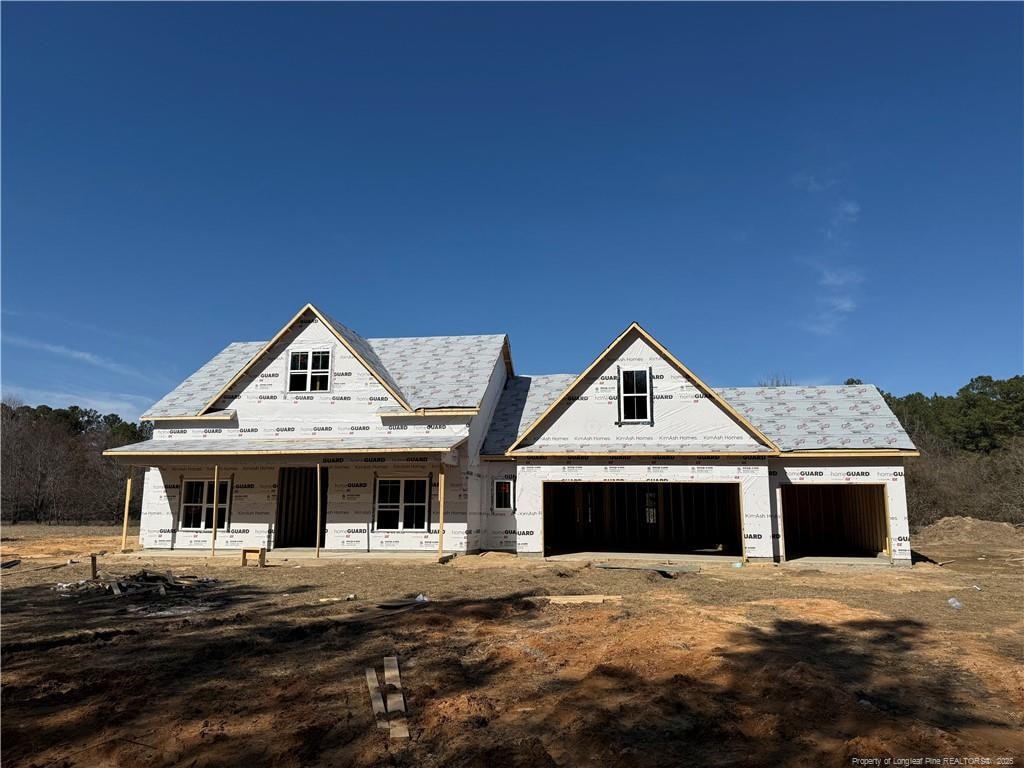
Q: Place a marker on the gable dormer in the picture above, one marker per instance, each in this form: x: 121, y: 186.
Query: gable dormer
x: 312, y: 359
x: 636, y: 398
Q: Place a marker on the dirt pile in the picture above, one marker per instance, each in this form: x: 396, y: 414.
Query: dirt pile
x: 968, y: 531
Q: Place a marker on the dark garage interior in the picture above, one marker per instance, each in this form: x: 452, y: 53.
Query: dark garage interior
x: 670, y: 518
x: 834, y: 520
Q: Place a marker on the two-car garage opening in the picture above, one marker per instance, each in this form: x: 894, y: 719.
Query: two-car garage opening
x: 828, y: 520
x: 669, y: 518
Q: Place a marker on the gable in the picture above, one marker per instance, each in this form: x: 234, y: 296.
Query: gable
x: 355, y: 345
x: 263, y: 387
x: 686, y: 416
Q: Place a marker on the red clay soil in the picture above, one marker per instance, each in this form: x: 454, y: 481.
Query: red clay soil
x: 763, y: 665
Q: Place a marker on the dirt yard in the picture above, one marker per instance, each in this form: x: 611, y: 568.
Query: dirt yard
x: 756, y: 666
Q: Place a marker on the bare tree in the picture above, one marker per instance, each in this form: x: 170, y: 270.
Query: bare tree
x: 775, y: 380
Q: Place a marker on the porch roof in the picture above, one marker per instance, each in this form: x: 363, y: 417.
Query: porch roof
x: 355, y: 444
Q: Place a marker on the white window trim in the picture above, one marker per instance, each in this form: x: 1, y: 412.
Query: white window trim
x: 309, y: 370
x: 401, y: 505
x: 511, y: 495
x: 207, y: 503
x: 622, y: 393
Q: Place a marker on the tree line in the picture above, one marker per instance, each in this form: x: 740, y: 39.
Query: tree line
x: 971, y: 463
x: 52, y: 468
x: 972, y: 451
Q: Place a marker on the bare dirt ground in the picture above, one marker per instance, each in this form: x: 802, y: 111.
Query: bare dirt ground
x: 758, y: 666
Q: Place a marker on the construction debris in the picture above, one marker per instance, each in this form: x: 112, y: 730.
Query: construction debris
x: 668, y: 571
x: 390, y: 711
x: 574, y: 599
x: 415, y: 602
x: 142, y: 583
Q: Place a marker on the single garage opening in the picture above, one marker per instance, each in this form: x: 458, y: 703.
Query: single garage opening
x: 669, y: 518
x: 834, y: 520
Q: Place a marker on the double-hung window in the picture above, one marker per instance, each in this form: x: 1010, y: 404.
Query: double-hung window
x: 503, y: 494
x: 635, y: 391
x: 401, y: 504
x: 309, y: 371
x: 197, y: 505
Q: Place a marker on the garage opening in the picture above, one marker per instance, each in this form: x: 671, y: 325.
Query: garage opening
x: 669, y: 518
x: 834, y: 520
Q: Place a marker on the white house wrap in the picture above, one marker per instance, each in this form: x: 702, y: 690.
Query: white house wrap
x: 634, y: 454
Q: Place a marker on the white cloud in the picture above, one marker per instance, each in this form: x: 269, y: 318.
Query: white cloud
x: 846, y: 212
x: 839, y: 277
x: 127, y: 406
x: 832, y: 310
x: 810, y: 182
x: 77, y: 355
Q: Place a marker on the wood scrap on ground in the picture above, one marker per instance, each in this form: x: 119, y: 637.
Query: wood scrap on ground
x: 574, y: 599
x: 668, y: 571
x: 388, y: 711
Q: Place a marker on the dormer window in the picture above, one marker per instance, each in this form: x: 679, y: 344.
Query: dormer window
x: 635, y: 395
x: 309, y: 371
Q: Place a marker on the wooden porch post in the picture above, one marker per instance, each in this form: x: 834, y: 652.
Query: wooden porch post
x: 127, y: 500
x: 319, y: 511
x: 216, y: 488
x: 440, y: 512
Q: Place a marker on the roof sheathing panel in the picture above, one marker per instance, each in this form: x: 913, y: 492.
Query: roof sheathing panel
x: 440, y: 371
x: 822, y: 418
x: 189, y: 397
x: 831, y: 418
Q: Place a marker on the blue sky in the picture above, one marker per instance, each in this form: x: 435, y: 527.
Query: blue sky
x: 818, y: 191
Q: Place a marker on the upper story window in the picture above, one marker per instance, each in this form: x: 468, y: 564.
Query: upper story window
x: 309, y: 372
x: 635, y: 392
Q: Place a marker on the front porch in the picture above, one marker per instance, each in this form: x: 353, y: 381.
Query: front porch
x: 300, y: 504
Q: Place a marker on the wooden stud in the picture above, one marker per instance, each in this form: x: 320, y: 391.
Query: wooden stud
x: 319, y: 510
x: 127, y: 501
x: 440, y: 511
x: 629, y: 454
x: 376, y: 699
x: 393, y: 682
x: 92, y: 566
x: 395, y: 700
x: 226, y: 415
x: 888, y: 525
x: 743, y: 526
x: 429, y: 412
x: 858, y: 452
x: 782, y: 527
x: 216, y: 488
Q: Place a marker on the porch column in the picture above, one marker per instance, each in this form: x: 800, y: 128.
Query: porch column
x: 440, y: 511
x: 127, y: 500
